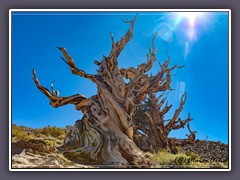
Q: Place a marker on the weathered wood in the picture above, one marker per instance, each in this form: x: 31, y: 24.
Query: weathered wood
x: 105, y: 133
x: 192, y: 136
x: 155, y: 127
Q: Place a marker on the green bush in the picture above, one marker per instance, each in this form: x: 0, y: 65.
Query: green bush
x: 61, y: 137
x: 50, y: 143
x: 19, y: 134
x: 53, y: 131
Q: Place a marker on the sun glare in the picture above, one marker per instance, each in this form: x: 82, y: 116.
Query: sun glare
x: 191, y: 16
x: 189, y: 23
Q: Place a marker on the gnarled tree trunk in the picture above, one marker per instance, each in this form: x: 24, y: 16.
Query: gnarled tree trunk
x: 104, y: 135
x: 155, y: 128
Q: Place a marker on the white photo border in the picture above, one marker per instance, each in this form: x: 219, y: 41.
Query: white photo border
x: 119, y: 10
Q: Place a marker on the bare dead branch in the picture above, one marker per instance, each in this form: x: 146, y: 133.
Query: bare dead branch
x: 182, y: 123
x: 119, y: 46
x: 173, y: 122
x: 192, y: 136
x: 143, y: 68
x: 73, y: 67
x: 189, y: 128
x: 77, y: 99
x: 162, y: 101
x: 165, y: 109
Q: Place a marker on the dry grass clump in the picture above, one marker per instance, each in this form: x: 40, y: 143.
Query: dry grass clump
x: 19, y: 134
x: 165, y: 159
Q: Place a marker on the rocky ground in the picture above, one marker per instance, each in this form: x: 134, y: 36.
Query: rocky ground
x: 208, y: 150
x: 30, y: 160
x: 37, y: 149
x: 37, y: 154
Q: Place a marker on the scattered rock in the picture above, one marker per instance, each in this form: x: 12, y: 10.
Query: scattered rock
x: 209, y: 151
x: 35, y: 146
x: 29, y: 160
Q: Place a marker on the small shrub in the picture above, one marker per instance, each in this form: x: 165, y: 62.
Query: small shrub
x: 59, y: 142
x: 19, y: 134
x: 61, y: 137
x: 50, y: 143
x: 53, y: 131
x: 38, y: 131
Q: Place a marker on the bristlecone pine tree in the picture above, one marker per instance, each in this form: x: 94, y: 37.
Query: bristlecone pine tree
x: 104, y: 135
x: 149, y: 117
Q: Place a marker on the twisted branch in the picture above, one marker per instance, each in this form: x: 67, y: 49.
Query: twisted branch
x: 79, y: 100
x: 69, y: 61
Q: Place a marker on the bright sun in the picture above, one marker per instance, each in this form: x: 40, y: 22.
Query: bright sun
x: 191, y: 16
x: 188, y: 22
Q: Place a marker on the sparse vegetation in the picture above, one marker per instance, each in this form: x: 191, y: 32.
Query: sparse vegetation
x: 19, y: 134
x: 165, y: 159
x: 53, y: 137
x: 53, y: 131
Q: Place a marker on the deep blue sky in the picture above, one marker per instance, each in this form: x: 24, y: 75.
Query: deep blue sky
x: 200, y: 43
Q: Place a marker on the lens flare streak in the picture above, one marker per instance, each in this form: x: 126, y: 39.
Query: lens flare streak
x: 187, y: 22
